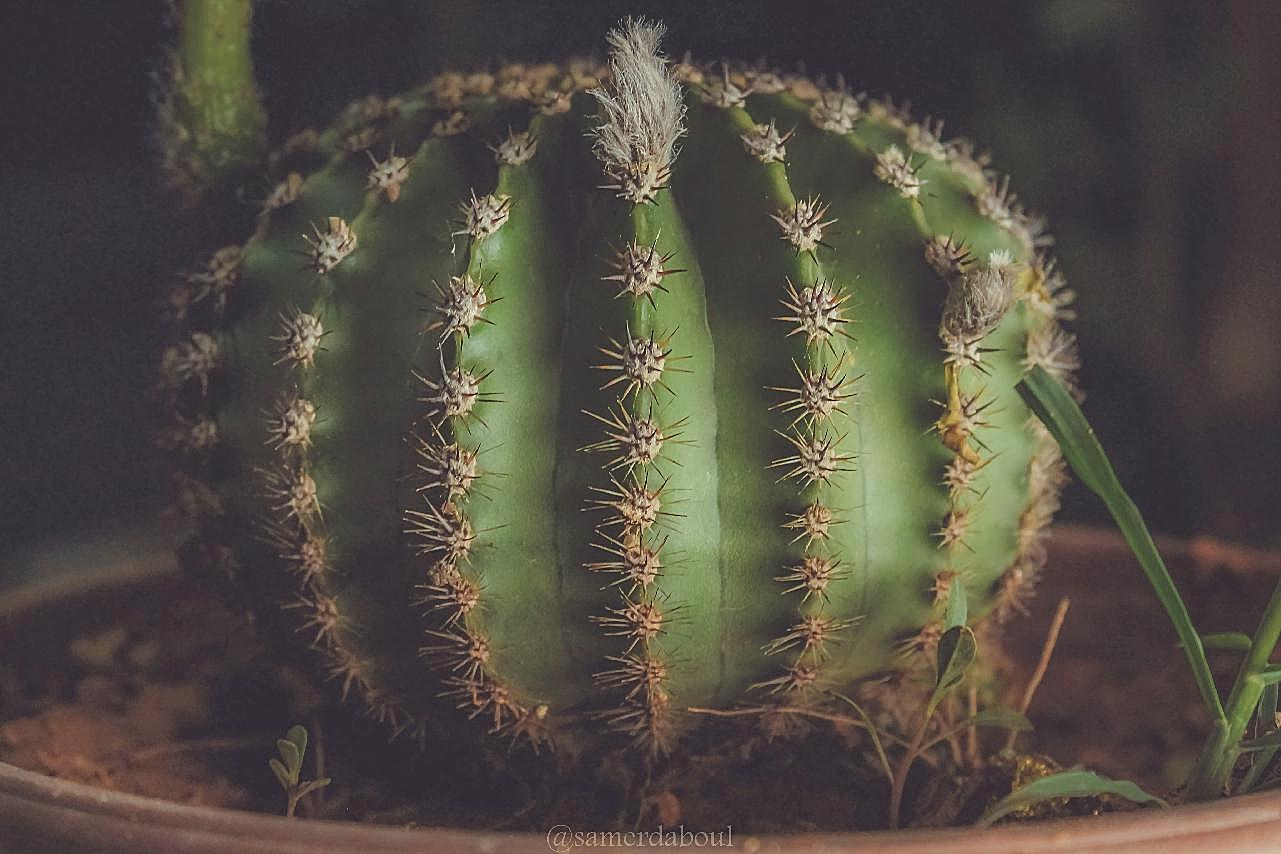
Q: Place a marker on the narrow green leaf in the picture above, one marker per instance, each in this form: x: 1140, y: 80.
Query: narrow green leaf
x: 281, y: 774
x: 957, y: 605
x: 289, y: 753
x: 1270, y: 675
x: 312, y: 785
x: 1234, y: 641
x: 1074, y: 783
x: 872, y: 732
x: 956, y: 652
x: 1263, y: 742
x: 1051, y: 402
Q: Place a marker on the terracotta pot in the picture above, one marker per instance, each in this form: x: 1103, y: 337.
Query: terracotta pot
x: 39, y: 813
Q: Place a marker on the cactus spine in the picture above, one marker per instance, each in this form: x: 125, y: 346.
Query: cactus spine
x: 681, y: 389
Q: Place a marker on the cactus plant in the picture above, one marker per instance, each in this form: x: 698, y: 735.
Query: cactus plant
x: 583, y: 395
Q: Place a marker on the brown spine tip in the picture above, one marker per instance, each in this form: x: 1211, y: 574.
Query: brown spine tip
x: 330, y: 247
x: 516, y: 149
x: 633, y: 507
x: 640, y: 270
x: 639, y: 621
x: 194, y: 436
x: 637, y: 565
x: 813, y: 525
x: 810, y: 636
x: 293, y: 493
x: 896, y: 169
x: 219, y: 277
x: 765, y: 143
x: 836, y: 111
x: 927, y: 138
x: 299, y: 339
x: 818, y: 312
x: 442, y: 531
x: 799, y: 678
x: 722, y: 92
x: 387, y: 176
x: 816, y: 460
x: 285, y: 193
x: 455, y: 123
x: 812, y: 576
x: 802, y: 225
x: 192, y: 359
x: 461, y: 305
x: 483, y: 215
x: 454, y: 395
x: 947, y: 256
x: 639, y: 363
x: 449, y: 467
x: 290, y: 422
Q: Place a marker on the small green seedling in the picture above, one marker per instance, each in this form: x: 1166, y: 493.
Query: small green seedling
x: 288, y: 768
x: 1073, y: 783
x: 957, y: 651
x: 1253, y: 694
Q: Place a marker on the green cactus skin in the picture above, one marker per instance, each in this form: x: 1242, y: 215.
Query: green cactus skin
x: 582, y: 458
x: 212, y: 123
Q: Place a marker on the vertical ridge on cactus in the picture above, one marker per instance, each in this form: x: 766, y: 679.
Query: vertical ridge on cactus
x: 619, y: 391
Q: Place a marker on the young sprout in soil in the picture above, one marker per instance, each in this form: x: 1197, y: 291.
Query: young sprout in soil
x: 288, y: 768
x: 1072, y: 783
x: 1253, y: 694
x: 957, y: 650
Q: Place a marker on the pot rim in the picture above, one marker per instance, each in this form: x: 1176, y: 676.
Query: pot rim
x: 57, y: 811
x: 1251, y: 819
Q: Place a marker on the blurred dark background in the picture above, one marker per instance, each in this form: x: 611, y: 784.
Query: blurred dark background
x: 1146, y: 130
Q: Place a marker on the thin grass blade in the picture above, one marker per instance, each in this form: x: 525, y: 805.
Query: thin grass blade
x: 1052, y: 403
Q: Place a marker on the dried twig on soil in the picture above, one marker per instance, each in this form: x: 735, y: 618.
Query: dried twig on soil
x: 1042, y: 664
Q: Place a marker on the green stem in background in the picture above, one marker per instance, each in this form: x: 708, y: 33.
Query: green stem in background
x: 213, y: 121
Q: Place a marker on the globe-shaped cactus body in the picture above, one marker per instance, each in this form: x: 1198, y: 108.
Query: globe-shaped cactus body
x: 582, y: 396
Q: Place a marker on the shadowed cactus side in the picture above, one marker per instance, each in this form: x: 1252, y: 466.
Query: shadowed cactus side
x: 584, y: 395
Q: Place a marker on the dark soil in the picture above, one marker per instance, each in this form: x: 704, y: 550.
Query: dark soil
x: 160, y: 690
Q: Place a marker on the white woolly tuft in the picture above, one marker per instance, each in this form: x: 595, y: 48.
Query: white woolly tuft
x: 642, y: 111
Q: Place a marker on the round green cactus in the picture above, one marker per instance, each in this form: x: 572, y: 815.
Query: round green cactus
x: 584, y: 396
